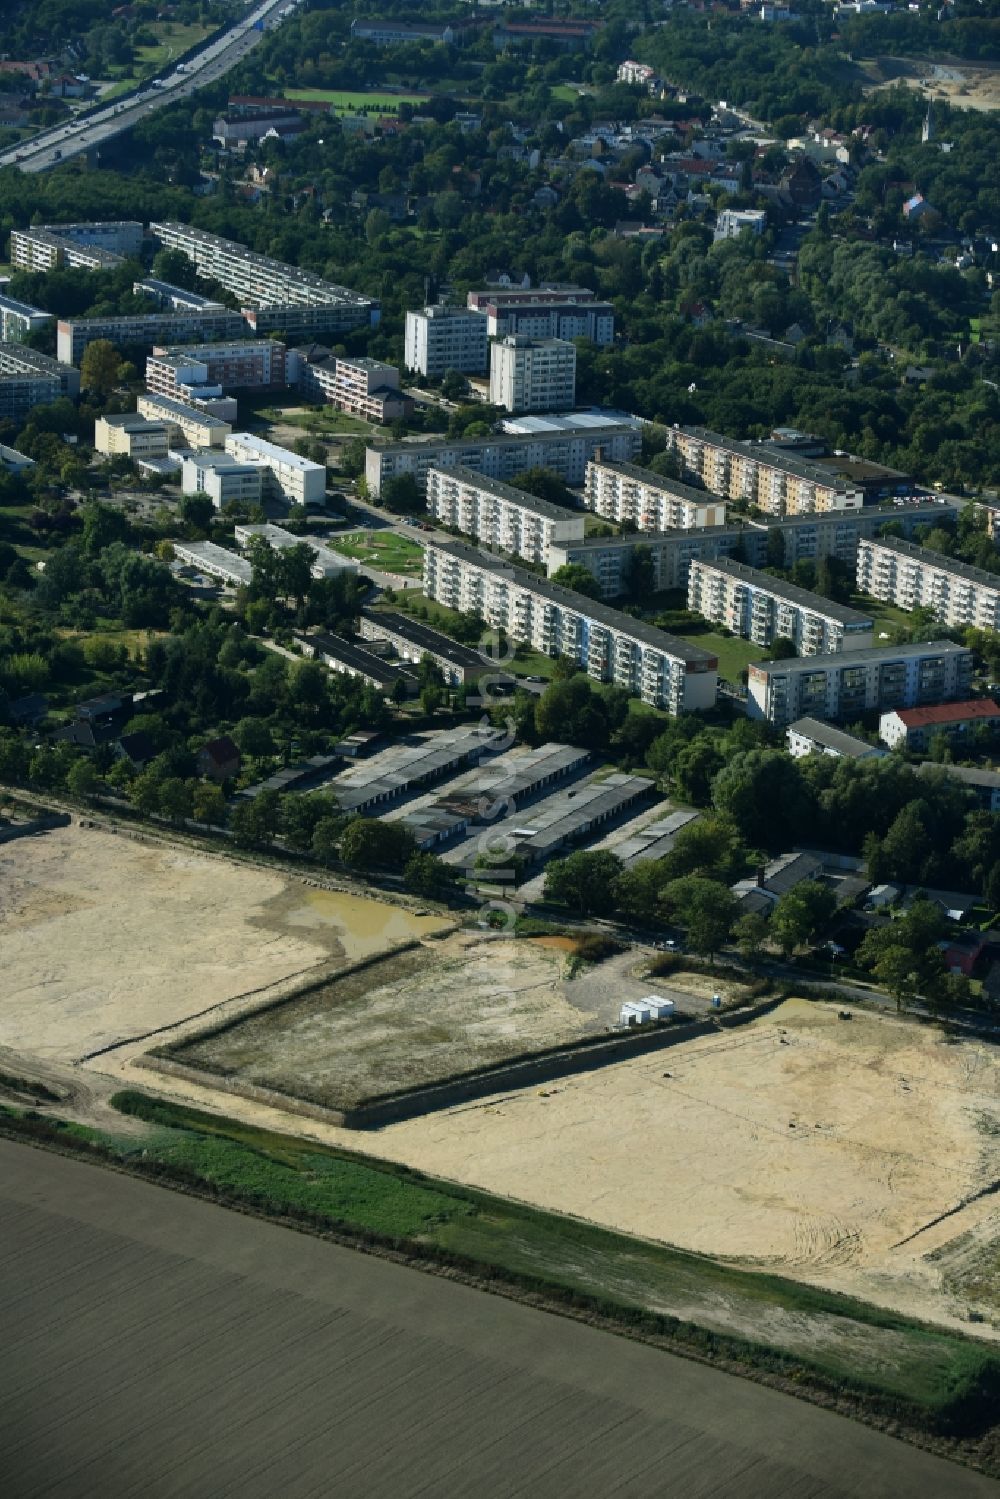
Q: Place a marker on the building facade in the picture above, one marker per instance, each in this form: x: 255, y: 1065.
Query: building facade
x: 761, y: 608
x: 211, y: 369
x: 625, y: 492
x: 611, y: 647
x: 545, y: 312
x: 439, y: 339
x: 146, y: 330
x: 913, y: 577
x: 18, y: 319
x: 187, y: 426
x: 29, y: 379
x: 808, y: 736
x: 412, y: 641
x: 532, y: 374
x: 776, y: 483
x: 53, y: 247
x: 502, y: 457
x: 361, y: 387
x: 499, y: 516
x: 222, y: 478
x: 848, y: 684
x: 914, y: 728
x: 297, y: 480
x: 130, y: 436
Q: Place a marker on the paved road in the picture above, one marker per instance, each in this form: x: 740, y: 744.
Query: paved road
x: 155, y: 1345
x: 67, y: 140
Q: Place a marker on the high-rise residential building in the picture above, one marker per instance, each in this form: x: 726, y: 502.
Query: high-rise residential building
x: 361, y: 387
x: 274, y: 297
x: 545, y: 312
x: 913, y: 577
x: 210, y: 369
x: 18, y: 319
x: 144, y: 330
x: 850, y: 683
x: 762, y: 608
x: 439, y: 339
x: 565, y: 450
x: 52, y: 247
x: 757, y: 473
x: 498, y: 515
x: 625, y: 492
x: 611, y: 647
x: 532, y: 374
x: 29, y: 379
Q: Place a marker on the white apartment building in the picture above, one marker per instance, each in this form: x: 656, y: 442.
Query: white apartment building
x: 361, y: 387
x: 130, y: 436
x: 758, y: 607
x: 555, y: 311
x: 912, y: 577
x: 850, y: 683
x: 146, y: 329
x: 273, y: 296
x: 611, y: 647
x: 29, y: 379
x: 50, y: 247
x: 731, y: 222
x: 776, y: 483
x: 499, y: 516
x: 297, y: 480
x: 625, y: 492
x: 18, y: 319
x: 225, y: 480
x: 532, y: 374
x: 566, y: 451
x: 439, y: 339
x: 187, y: 426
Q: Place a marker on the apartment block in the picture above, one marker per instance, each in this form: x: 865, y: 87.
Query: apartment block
x: 499, y: 516
x: 545, y: 312
x: 18, y: 319
x: 912, y: 577
x: 146, y: 330
x: 731, y: 222
x: 611, y: 647
x: 758, y: 607
x: 914, y: 728
x: 625, y: 492
x: 776, y: 483
x: 532, y: 374
x: 29, y: 379
x: 361, y: 387
x: 52, y: 247
x: 848, y: 684
x: 503, y: 457
x: 172, y: 298
x: 211, y: 369
x: 297, y: 480
x: 186, y: 425
x: 130, y: 436
x: 223, y: 478
x: 439, y: 339
x: 273, y: 296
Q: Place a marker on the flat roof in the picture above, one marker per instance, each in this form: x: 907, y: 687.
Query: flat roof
x: 496, y: 439
x: 356, y: 656
x: 911, y: 651
x: 291, y: 274
x: 421, y: 635
x: 207, y: 554
x: 181, y: 410
x: 24, y: 309
x: 766, y: 454
x: 659, y: 481
x: 508, y: 492
x: 939, y: 560
x: 567, y: 598
x: 847, y: 745
x: 755, y: 577
x: 973, y: 775
x: 271, y: 451
x: 569, y: 424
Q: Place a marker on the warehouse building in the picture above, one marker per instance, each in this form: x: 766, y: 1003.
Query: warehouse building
x: 188, y: 426
x: 409, y: 766
x: 499, y: 516
x: 913, y: 577
x: 566, y: 451
x: 776, y: 483
x: 439, y: 339
x: 762, y: 608
x: 809, y: 736
x: 274, y: 297
x: 144, y: 330
x: 611, y: 647
x: 848, y: 684
x: 412, y: 640
x: 625, y: 492
x: 655, y: 840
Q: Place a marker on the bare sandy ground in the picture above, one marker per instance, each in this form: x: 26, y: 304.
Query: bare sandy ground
x: 104, y: 938
x: 964, y: 85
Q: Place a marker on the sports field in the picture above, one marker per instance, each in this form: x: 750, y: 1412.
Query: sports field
x: 385, y: 550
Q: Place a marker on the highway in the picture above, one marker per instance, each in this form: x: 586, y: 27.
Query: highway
x: 64, y: 141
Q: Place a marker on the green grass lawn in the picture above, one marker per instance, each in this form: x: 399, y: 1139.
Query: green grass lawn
x: 886, y: 616
x: 350, y: 102
x: 382, y: 549
x: 173, y: 40
x: 568, y: 92
x: 734, y: 654
x: 928, y: 1375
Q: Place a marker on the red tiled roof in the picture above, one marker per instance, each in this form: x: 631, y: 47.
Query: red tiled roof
x: 920, y: 718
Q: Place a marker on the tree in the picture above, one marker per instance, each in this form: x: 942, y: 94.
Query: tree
x: 583, y: 881
x: 254, y: 738
x: 102, y: 526
x: 637, y: 892
x: 295, y: 570
x: 574, y: 575
x: 300, y: 816
x: 802, y: 914
x: 705, y: 909
x: 208, y: 804
x: 401, y: 495
x: 82, y: 779
x: 640, y: 574
x: 431, y: 698
x: 175, y: 799
x: 546, y: 484
x: 255, y: 822
x: 430, y: 877
x: 781, y: 649
x: 326, y: 839
x: 100, y: 368
x: 763, y: 791
x: 197, y: 510
x: 695, y: 767
x: 370, y: 844
x: 750, y: 933
x: 904, y: 955
x: 145, y: 792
